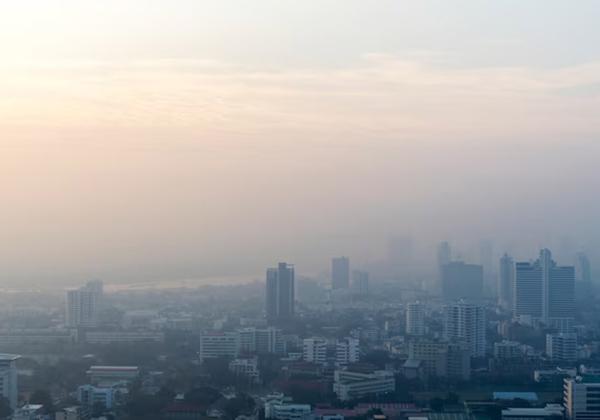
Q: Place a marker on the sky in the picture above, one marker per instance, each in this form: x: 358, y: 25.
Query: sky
x: 162, y: 140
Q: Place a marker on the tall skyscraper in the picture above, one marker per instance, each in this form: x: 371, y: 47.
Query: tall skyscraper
x: 415, y: 319
x: 81, y: 309
x: 462, y: 281
x: 340, y: 273
x: 466, y: 322
x: 444, y: 256
x: 280, y: 293
x: 8, y: 378
x: 545, y: 292
x: 583, y: 277
x: 506, y: 282
x: 486, y: 259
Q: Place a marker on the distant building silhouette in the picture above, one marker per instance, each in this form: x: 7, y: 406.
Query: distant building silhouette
x: 82, y: 305
x: 506, y: 281
x: 545, y: 292
x: 583, y: 277
x: 360, y: 282
x: 444, y: 256
x: 340, y: 273
x: 462, y: 281
x: 280, y: 293
x: 415, y: 319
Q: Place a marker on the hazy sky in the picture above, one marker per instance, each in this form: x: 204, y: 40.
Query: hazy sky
x: 144, y: 140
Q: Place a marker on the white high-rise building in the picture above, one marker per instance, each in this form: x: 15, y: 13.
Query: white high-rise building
x: 561, y: 347
x: 582, y: 398
x: 347, y: 351
x: 314, y: 350
x: 415, y: 319
x: 81, y: 308
x: 466, y: 322
x: 545, y: 292
x: 8, y: 378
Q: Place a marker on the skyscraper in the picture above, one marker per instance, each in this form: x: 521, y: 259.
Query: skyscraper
x: 486, y: 259
x: 460, y: 280
x: 8, y: 378
x: 280, y: 294
x: 583, y: 277
x: 340, y: 273
x: 466, y: 322
x: 545, y: 292
x: 415, y: 319
x: 506, y: 281
x: 360, y: 282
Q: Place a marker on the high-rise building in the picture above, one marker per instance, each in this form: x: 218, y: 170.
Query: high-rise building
x: 360, y: 282
x: 583, y: 277
x: 466, y: 322
x: 462, y: 281
x: 8, y: 378
x: 280, y: 293
x: 545, y: 292
x: 486, y: 259
x: 415, y: 319
x: 81, y: 309
x: 582, y: 398
x: 506, y: 281
x: 340, y: 273
x: 561, y: 347
x: 347, y: 351
x: 444, y: 256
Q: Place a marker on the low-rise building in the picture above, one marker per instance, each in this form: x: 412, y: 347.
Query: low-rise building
x: 349, y: 384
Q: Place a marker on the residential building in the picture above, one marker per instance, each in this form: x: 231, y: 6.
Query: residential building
x: 561, y: 347
x: 112, y: 374
x: 347, y: 351
x: 507, y: 350
x: 314, y: 350
x: 415, y: 319
x: 280, y: 293
x: 340, y: 273
x: 466, y: 322
x: 247, y: 368
x: 90, y: 395
x: 545, y: 292
x: 81, y: 308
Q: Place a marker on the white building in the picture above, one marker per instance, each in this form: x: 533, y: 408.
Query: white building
x: 314, y: 350
x: 415, y: 319
x: 582, y: 398
x: 219, y: 344
x: 347, y: 351
x: 561, y: 347
x: 81, y: 308
x: 545, y: 293
x: 350, y: 385
x: 466, y: 322
x: 8, y: 378
x: 108, y: 337
x: 261, y: 340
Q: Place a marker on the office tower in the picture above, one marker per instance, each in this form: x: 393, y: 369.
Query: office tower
x: 561, y: 347
x: 466, y: 322
x: 583, y: 277
x: 360, y: 282
x: 506, y: 282
x: 347, y: 351
x: 340, y: 273
x: 462, y: 281
x: 486, y: 258
x: 582, y: 397
x: 415, y: 319
x: 314, y: 350
x: 545, y: 292
x: 8, y: 378
x: 280, y: 294
x: 81, y: 308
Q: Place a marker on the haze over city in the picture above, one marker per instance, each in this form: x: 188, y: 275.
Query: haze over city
x: 208, y: 139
